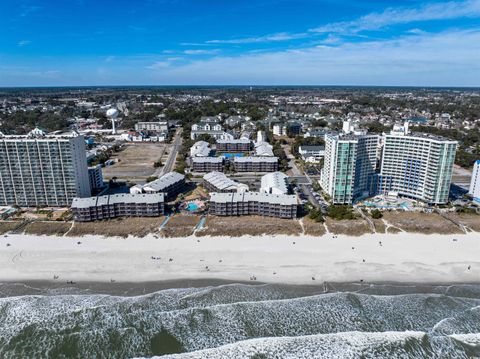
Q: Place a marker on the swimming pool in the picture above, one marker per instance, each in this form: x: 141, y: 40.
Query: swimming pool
x: 191, y: 207
x: 230, y: 155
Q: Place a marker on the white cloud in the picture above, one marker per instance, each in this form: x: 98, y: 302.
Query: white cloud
x: 23, y: 43
x: 392, y: 16
x: 201, y: 52
x: 444, y: 59
x: 159, y: 65
x: 282, y: 36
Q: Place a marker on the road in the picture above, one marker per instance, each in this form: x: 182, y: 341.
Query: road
x: 305, y: 182
x: 174, y: 148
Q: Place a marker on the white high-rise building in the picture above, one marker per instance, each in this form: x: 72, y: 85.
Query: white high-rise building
x: 417, y: 165
x: 349, y: 165
x: 475, y: 182
x: 41, y: 170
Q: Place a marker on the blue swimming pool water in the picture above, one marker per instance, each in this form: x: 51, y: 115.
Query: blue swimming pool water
x: 192, y: 207
x: 230, y: 155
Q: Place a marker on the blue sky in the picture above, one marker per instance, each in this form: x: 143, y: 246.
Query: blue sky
x: 239, y: 42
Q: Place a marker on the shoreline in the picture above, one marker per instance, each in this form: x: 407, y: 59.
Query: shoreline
x: 133, y: 289
x: 374, y: 258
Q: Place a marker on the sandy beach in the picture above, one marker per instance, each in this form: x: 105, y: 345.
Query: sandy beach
x: 404, y: 257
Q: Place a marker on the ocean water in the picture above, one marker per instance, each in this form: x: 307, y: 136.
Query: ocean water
x: 246, y: 321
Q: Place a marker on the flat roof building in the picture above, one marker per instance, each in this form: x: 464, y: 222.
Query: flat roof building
x: 238, y: 145
x: 474, y: 190
x: 417, y: 165
x: 158, y: 126
x: 253, y: 203
x: 42, y: 170
x: 207, y: 164
x: 118, y: 205
x: 255, y: 164
x: 349, y: 165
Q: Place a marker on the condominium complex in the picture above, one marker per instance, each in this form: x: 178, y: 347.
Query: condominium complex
x: 474, y: 190
x: 417, y: 165
x: 207, y: 164
x: 40, y: 170
x: 413, y: 165
x: 255, y: 164
x: 219, y: 182
x: 349, y: 165
x: 239, y: 145
x: 248, y: 203
x: 169, y: 184
x: 158, y: 126
x: 118, y: 205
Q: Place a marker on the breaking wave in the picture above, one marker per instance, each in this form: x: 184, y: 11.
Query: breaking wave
x: 244, y: 321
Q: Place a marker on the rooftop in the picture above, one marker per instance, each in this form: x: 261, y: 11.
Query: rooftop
x: 207, y: 159
x: 427, y: 136
x: 150, y: 198
x: 165, y: 181
x: 256, y: 159
x: 282, y: 199
x: 221, y: 181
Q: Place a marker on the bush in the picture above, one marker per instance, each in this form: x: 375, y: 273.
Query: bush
x: 376, y: 214
x: 341, y: 212
x: 316, y: 215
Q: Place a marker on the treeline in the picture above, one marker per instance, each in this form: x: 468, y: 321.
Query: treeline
x: 22, y: 122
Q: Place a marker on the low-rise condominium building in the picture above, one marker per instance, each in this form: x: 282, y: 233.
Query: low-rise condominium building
x: 169, y: 184
x: 118, y: 205
x: 238, y: 145
x: 219, y: 182
x: 158, y: 126
x: 255, y: 164
x: 274, y: 183
x: 253, y: 203
x: 207, y: 164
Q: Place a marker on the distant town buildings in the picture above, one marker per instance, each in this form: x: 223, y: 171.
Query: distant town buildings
x: 41, y: 170
x: 312, y: 154
x: 118, y: 205
x: 158, y: 126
